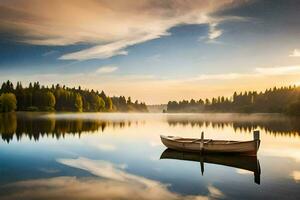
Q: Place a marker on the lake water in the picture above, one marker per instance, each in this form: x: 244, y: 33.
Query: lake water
x: 120, y: 156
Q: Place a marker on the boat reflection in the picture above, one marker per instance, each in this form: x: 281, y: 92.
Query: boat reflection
x: 249, y: 163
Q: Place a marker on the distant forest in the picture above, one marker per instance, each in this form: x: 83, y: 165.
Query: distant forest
x: 274, y: 100
x: 61, y: 98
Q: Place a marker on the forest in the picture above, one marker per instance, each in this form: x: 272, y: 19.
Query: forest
x: 36, y: 97
x: 273, y: 100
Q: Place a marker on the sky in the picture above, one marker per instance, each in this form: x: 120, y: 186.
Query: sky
x: 152, y: 50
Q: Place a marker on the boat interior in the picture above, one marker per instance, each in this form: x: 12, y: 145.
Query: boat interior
x: 205, y: 141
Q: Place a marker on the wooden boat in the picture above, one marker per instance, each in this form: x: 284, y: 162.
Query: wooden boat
x: 249, y: 163
x: 212, y: 146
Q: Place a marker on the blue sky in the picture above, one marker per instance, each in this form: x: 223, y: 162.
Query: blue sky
x: 151, y: 50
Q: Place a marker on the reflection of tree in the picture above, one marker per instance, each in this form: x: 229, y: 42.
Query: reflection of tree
x: 35, y: 126
x: 8, y: 124
x: 275, y: 125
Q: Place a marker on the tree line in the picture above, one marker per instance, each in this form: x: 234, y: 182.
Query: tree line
x: 36, y: 97
x: 273, y: 100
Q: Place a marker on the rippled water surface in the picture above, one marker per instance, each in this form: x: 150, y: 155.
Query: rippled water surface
x: 120, y: 156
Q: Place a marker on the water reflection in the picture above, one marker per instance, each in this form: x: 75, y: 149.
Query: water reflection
x: 269, y: 123
x: 109, y: 181
x: 117, y: 157
x: 36, y: 125
x: 249, y: 163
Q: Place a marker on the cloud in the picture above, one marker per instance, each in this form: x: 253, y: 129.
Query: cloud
x: 106, y: 69
x: 295, y: 53
x: 228, y: 76
x: 286, y: 70
x: 50, y: 53
x: 109, y: 27
x: 258, y: 72
x: 214, y: 32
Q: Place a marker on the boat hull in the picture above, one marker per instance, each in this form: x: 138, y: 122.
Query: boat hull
x: 211, y: 146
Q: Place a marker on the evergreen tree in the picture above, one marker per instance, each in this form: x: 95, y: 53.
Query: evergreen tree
x: 273, y: 100
x: 8, y: 102
x: 61, y: 98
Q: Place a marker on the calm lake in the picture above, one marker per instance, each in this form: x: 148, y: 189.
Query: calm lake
x: 120, y: 156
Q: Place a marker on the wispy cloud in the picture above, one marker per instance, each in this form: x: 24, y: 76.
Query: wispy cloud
x: 286, y: 70
x: 100, y: 51
x: 214, y: 32
x: 258, y: 72
x: 106, y: 69
x: 226, y: 76
x: 108, y: 26
x: 295, y: 53
x: 50, y: 53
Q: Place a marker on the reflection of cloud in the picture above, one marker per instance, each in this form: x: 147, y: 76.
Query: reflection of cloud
x: 215, y: 192
x: 117, y: 184
x: 153, y: 158
x: 155, y: 143
x: 106, y: 147
x: 296, y: 176
x: 99, y: 168
x: 293, y: 153
x: 62, y: 188
x: 242, y: 171
x: 295, y: 53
